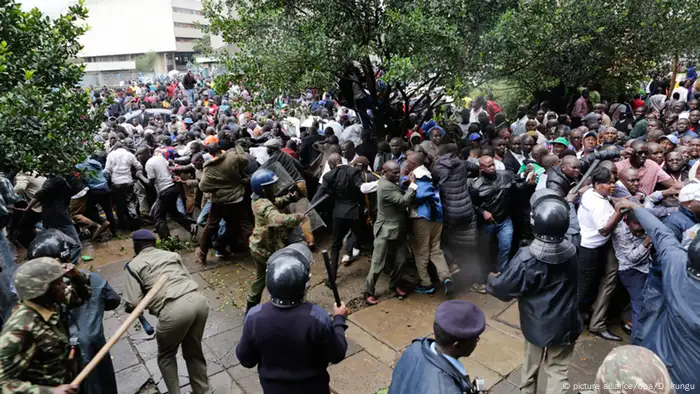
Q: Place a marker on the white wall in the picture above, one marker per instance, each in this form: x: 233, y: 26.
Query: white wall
x: 110, y: 66
x: 110, y: 34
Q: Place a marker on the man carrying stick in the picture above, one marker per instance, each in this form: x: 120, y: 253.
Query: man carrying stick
x: 182, y: 311
x: 34, y: 345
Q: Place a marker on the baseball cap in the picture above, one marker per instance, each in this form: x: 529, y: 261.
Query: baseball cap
x: 690, y: 192
x: 593, y: 133
x: 560, y: 140
x: 670, y: 137
x: 474, y: 136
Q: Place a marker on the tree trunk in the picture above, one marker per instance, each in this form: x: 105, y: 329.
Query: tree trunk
x: 674, y: 72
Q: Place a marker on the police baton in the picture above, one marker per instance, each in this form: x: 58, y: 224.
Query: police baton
x: 585, y: 176
x: 316, y: 204
x: 121, y: 330
x: 147, y: 327
x: 331, y: 277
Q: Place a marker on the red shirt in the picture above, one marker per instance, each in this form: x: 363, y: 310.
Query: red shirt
x: 290, y: 152
x: 649, y: 174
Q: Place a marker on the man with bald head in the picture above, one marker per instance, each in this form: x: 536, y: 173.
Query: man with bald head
x: 492, y: 194
x: 650, y: 173
x: 342, y: 184
x: 390, y: 229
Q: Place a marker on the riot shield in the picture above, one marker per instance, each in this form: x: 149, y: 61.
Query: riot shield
x: 285, y: 182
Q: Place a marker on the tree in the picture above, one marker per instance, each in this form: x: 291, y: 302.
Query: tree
x: 203, y: 45
x: 543, y: 44
x: 45, y: 122
x: 146, y: 62
x: 378, y: 55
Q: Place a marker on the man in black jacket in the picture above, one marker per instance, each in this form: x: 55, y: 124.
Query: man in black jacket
x: 514, y: 157
x: 342, y: 183
x: 563, y: 178
x: 543, y: 276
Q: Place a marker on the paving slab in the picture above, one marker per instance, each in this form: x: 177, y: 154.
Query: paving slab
x: 360, y: 373
x: 491, y: 306
x: 213, y: 367
x: 504, y: 387
x: 510, y: 316
x: 221, y: 383
x: 499, y: 351
x: 474, y: 370
x: 230, y: 283
x: 371, y: 345
x: 147, y: 349
x: 223, y: 316
x: 130, y: 380
x: 123, y: 355
x: 223, y: 345
x: 246, y: 378
x: 397, y: 322
x: 590, y: 351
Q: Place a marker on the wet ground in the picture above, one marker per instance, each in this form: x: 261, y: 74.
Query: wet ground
x: 376, y: 335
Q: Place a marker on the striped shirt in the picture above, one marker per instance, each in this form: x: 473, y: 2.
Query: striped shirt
x: 649, y: 174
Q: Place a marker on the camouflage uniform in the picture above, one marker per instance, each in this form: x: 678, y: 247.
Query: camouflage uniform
x: 34, y: 342
x: 633, y: 369
x: 271, y: 231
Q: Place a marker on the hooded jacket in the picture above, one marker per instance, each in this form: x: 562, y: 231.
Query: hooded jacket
x: 450, y: 174
x: 224, y: 177
x: 546, y: 293
x: 421, y: 371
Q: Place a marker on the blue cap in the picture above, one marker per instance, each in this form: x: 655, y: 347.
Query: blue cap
x: 143, y: 235
x: 188, y: 121
x: 670, y: 137
x: 474, y: 136
x: 460, y: 319
x: 593, y: 133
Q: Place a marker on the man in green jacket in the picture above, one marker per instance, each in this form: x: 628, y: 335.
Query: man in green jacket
x: 224, y: 177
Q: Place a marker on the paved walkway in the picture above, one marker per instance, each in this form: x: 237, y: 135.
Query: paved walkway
x: 376, y: 335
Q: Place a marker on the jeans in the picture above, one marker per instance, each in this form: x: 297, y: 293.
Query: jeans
x: 190, y: 96
x: 8, y: 296
x: 239, y: 226
x: 104, y: 199
x: 651, y: 307
x: 125, y: 205
x: 504, y: 233
x: 69, y: 230
x: 634, y: 282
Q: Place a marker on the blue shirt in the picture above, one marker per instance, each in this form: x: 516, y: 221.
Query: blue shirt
x: 455, y: 363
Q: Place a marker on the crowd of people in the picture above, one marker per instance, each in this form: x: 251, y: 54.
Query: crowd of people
x: 588, y: 217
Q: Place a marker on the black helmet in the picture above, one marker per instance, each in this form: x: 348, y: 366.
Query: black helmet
x: 287, y: 278
x: 694, y: 259
x: 51, y: 243
x: 550, y: 218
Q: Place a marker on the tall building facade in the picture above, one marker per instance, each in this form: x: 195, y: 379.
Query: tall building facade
x: 122, y: 30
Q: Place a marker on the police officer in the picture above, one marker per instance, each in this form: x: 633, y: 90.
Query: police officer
x: 272, y: 228
x: 292, y: 341
x: 543, y: 277
x: 86, y: 320
x: 433, y: 366
x: 632, y: 366
x: 182, y: 311
x: 34, y: 345
x: 675, y: 335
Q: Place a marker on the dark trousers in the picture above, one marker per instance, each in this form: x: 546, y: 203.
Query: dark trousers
x: 341, y: 226
x: 125, y: 206
x: 27, y: 227
x: 239, y: 226
x: 634, y: 282
x: 167, y: 205
x: 104, y: 199
x: 590, y: 263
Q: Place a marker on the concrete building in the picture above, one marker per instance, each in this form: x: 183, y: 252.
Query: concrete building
x: 122, y: 30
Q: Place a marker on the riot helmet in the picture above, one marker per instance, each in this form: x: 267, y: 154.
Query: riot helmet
x: 550, y: 218
x: 51, y: 243
x: 287, y: 278
x: 261, y: 178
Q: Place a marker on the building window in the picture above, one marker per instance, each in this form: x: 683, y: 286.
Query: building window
x: 187, y: 11
x: 113, y: 58
x: 189, y: 25
x: 185, y: 39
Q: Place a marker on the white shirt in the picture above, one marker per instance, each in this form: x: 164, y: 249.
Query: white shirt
x: 683, y: 92
x: 157, y: 171
x: 542, y: 182
x: 327, y: 168
x: 593, y: 214
x: 119, y: 164
x: 499, y: 165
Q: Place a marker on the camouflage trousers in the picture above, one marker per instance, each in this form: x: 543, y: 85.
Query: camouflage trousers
x: 553, y: 360
x: 258, y: 285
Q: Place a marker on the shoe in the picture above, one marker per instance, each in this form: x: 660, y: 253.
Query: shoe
x: 201, y: 256
x: 454, y: 269
x: 101, y: 230
x: 345, y: 260
x: 372, y: 300
x: 607, y: 335
x: 194, y: 229
x: 449, y: 287
x: 479, y: 288
x: 355, y: 253
x: 400, y: 292
x: 627, y: 327
x: 424, y: 289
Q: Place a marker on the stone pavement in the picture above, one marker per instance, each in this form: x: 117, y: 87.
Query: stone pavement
x: 376, y: 335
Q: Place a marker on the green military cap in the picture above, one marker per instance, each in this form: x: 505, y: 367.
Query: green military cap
x: 633, y: 369
x: 32, y: 279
